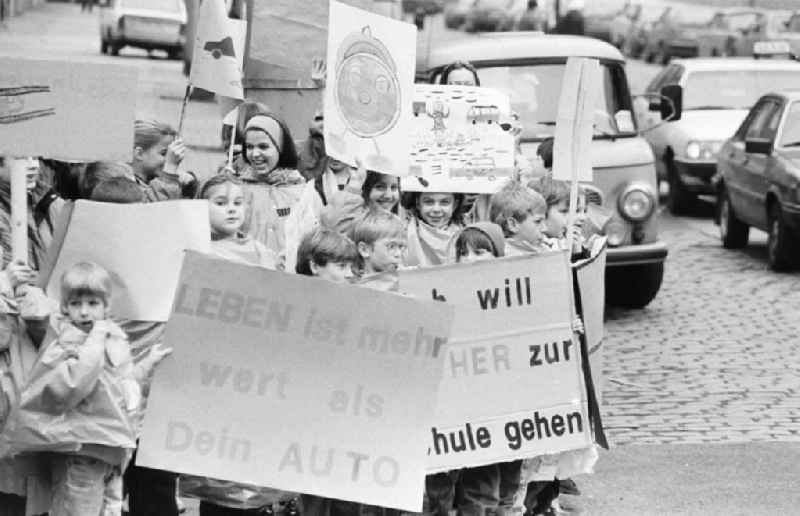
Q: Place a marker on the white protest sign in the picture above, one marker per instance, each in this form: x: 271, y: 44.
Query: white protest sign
x: 590, y: 274
x: 330, y: 394
x: 67, y: 110
x: 572, y: 141
x: 369, y: 89
x: 512, y: 385
x: 461, y: 140
x: 141, y: 246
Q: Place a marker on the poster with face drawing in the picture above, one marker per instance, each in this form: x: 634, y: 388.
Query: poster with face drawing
x: 370, y: 87
x: 461, y: 139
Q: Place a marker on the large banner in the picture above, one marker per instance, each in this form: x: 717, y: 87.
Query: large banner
x: 67, y: 110
x: 141, y: 245
x: 461, y: 141
x: 512, y: 385
x: 369, y: 89
x: 330, y: 394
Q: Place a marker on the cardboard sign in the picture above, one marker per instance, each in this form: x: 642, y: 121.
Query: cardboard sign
x: 461, y: 140
x: 330, y: 394
x: 512, y: 385
x: 141, y: 246
x: 67, y: 110
x: 369, y: 89
x: 572, y: 157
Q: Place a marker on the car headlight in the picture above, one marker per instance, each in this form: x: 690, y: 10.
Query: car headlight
x: 702, y: 150
x: 616, y: 232
x: 637, y: 202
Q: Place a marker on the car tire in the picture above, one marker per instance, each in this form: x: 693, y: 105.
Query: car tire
x: 633, y: 286
x: 679, y: 200
x: 175, y: 53
x: 732, y: 232
x: 103, y: 46
x: 114, y: 48
x: 782, y: 245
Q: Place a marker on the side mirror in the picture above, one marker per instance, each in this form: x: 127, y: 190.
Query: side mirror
x: 758, y: 146
x: 654, y: 105
x: 673, y: 108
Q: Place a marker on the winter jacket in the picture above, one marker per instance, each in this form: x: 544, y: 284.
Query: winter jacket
x: 270, y: 200
x: 429, y: 246
x: 245, y: 250
x: 82, y: 395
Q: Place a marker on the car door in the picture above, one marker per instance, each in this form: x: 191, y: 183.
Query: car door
x: 750, y: 183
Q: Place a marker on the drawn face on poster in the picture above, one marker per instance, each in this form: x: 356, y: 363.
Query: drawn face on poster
x: 370, y: 79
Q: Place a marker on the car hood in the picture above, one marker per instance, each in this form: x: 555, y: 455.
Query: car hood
x: 179, y: 17
x: 622, y: 152
x: 710, y: 124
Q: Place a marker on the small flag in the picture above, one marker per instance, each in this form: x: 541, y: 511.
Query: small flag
x: 218, y: 56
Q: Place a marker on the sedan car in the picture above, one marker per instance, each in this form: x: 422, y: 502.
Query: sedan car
x: 674, y: 34
x: 147, y: 24
x: 713, y: 97
x: 759, y: 179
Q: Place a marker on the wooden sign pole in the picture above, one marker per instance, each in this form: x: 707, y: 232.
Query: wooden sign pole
x: 19, y: 208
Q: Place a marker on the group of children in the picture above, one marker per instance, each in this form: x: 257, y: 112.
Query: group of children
x: 80, y: 405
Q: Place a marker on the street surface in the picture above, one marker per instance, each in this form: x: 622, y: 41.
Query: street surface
x: 701, y: 391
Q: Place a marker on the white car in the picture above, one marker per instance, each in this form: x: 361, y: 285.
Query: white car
x: 714, y: 96
x: 147, y: 24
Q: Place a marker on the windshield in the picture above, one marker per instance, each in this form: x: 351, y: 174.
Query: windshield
x: 534, y: 92
x: 735, y: 89
x: 172, y: 6
x: 791, y: 128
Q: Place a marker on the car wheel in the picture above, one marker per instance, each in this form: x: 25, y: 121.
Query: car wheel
x: 633, y: 286
x: 781, y: 243
x: 103, y: 46
x: 733, y: 232
x: 679, y: 200
x: 115, y: 48
x: 175, y: 53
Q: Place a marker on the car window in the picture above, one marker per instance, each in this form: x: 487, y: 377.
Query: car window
x: 794, y: 24
x: 739, y: 22
x: 770, y: 128
x: 534, y: 91
x: 658, y: 81
x: 734, y: 89
x: 791, y: 127
x: 759, y: 119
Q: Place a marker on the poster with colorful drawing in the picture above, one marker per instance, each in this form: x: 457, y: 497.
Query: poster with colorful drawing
x: 461, y: 139
x: 370, y: 87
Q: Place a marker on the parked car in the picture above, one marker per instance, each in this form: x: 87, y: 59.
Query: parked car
x: 773, y: 26
x: 530, y: 68
x: 635, y: 41
x: 147, y: 24
x: 674, y: 35
x: 719, y: 36
x: 493, y: 15
x: 428, y: 7
x: 712, y: 97
x: 759, y: 179
x: 455, y: 13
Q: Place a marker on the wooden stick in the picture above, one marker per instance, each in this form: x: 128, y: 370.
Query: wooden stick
x: 19, y: 209
x: 183, y: 108
x: 230, y: 148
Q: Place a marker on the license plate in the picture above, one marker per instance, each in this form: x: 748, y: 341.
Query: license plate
x: 154, y: 28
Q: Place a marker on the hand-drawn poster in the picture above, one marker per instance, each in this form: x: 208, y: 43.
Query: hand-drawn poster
x: 461, y: 139
x: 67, y: 110
x: 218, y: 51
x: 370, y: 87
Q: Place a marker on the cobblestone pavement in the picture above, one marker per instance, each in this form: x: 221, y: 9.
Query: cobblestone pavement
x: 715, y: 357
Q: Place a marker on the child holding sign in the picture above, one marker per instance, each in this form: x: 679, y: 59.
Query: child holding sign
x: 83, y: 397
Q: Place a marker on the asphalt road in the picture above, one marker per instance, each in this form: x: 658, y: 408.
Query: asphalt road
x: 702, y: 395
